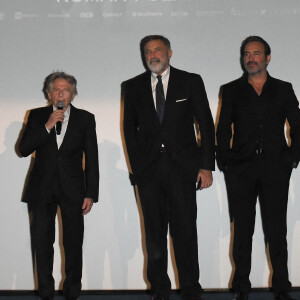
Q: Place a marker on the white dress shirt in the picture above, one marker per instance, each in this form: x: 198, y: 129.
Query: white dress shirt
x: 165, y: 81
x: 64, y: 125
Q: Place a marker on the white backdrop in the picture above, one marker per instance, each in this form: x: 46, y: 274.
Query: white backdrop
x: 98, y: 42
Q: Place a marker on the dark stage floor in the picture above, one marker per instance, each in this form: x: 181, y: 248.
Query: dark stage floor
x: 255, y: 295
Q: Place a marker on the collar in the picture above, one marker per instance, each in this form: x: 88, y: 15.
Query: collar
x: 165, y: 74
x: 245, y: 77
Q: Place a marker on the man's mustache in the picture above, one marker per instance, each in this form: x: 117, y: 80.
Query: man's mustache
x: 154, y: 60
x: 252, y: 63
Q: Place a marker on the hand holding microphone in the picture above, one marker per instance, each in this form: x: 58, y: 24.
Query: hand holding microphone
x: 60, y: 106
x: 56, y: 118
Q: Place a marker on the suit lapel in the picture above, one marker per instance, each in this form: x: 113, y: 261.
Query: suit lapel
x: 172, y: 87
x: 172, y: 92
x: 48, y: 111
x: 53, y: 137
x: 148, y: 96
x: 72, y: 121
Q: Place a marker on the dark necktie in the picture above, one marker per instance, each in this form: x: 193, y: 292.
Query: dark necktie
x: 160, y: 99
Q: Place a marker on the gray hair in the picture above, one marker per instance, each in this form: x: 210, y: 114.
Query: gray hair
x: 48, y: 82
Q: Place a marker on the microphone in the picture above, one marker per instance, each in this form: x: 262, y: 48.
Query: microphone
x: 60, y: 106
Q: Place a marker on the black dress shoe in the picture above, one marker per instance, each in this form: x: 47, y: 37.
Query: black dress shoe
x: 284, y: 296
x: 158, y: 297
x: 240, y: 296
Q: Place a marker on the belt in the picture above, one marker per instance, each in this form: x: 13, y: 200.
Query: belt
x: 162, y: 149
x: 259, y: 151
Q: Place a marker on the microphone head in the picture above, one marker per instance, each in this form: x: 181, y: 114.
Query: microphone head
x: 60, y: 105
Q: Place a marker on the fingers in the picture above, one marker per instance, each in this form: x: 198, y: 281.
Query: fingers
x: 56, y: 116
x: 206, y: 178
x: 87, y: 205
x: 206, y: 183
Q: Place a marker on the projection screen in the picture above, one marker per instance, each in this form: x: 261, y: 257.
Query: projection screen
x: 97, y: 41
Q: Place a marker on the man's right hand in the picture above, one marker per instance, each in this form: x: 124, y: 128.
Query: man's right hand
x: 55, y: 117
x: 206, y: 178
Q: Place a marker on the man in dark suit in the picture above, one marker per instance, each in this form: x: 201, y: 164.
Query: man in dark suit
x: 257, y: 162
x: 64, y: 140
x: 160, y: 107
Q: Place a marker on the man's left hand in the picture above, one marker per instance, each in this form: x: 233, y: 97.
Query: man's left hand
x: 206, y: 178
x: 87, y: 205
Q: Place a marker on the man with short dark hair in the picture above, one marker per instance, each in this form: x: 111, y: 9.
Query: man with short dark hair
x: 160, y: 107
x: 253, y: 154
x: 60, y: 135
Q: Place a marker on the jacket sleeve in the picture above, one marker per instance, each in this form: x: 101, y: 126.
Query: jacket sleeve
x: 130, y: 123
x: 34, y: 135
x: 293, y: 117
x: 206, y: 125
x: 91, y: 161
x: 224, y: 130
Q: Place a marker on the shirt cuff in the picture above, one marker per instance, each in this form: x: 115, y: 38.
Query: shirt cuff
x: 47, y: 129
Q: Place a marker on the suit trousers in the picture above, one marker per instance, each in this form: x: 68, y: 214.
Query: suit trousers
x: 268, y: 180
x: 168, y: 201
x: 43, y: 236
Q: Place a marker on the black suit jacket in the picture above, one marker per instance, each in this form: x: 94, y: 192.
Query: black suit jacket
x: 65, y: 163
x: 186, y: 101
x: 256, y: 121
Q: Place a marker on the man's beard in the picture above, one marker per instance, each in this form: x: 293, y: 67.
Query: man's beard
x: 158, y: 67
x: 254, y: 71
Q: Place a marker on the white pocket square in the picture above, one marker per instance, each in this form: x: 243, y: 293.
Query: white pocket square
x: 180, y: 100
